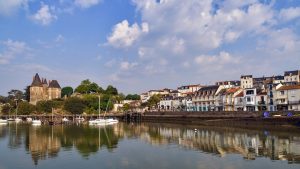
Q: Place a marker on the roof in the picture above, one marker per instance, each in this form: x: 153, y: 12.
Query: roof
x: 294, y: 72
x: 232, y: 90
x: 212, y: 87
x: 54, y: 84
x: 246, y: 76
x: 36, y: 81
x: 241, y: 94
x: 44, y: 81
x: 289, y: 87
x: 279, y: 77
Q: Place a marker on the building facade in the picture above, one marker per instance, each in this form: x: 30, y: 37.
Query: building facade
x: 40, y: 90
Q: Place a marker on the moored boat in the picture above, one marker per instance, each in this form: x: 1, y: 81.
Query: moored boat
x: 3, y: 121
x: 36, y: 122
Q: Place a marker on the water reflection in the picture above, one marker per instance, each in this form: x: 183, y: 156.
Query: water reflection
x: 43, y: 142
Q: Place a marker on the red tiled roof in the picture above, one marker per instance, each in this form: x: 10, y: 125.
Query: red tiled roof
x: 232, y: 90
x: 241, y: 94
x: 289, y: 87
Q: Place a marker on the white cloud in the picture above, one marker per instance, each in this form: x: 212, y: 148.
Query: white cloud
x: 86, y: 3
x: 59, y: 38
x: 289, y: 13
x: 124, y: 35
x: 221, y: 59
x: 7, y: 7
x: 44, y: 15
x: 34, y: 67
x: 127, y: 65
x: 12, y: 49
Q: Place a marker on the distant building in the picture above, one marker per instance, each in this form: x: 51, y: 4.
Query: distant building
x: 40, y: 89
x: 246, y: 81
x: 288, y: 97
x: 292, y: 76
x: 188, y: 89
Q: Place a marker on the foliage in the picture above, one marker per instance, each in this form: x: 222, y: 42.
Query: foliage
x: 26, y: 94
x: 153, y: 100
x: 74, y: 105
x: 3, y: 99
x: 87, y: 87
x: 133, y: 97
x: 66, y: 91
x: 110, y: 90
x: 24, y: 108
x: 118, y: 98
x: 15, y: 94
x: 46, y: 106
x: 5, y: 109
x: 126, y: 107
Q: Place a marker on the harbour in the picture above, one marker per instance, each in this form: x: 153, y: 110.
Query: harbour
x: 146, y: 145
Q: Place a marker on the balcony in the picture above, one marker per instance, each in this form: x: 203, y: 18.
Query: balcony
x: 293, y: 102
x: 281, y: 103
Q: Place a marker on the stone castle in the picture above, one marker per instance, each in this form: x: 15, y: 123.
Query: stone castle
x: 41, y: 90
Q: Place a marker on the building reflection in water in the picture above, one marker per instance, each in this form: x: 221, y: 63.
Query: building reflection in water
x: 47, y: 141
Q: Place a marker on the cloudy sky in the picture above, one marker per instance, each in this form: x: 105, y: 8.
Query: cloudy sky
x: 137, y: 45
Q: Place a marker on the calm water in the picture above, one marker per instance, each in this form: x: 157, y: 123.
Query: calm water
x: 137, y: 146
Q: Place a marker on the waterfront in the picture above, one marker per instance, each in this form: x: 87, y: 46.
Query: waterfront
x: 146, y: 145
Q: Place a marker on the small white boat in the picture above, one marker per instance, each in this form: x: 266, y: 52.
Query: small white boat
x: 36, y: 122
x: 65, y: 120
x: 10, y: 119
x: 2, y: 121
x: 97, y: 122
x: 79, y: 119
x: 17, y: 120
x: 29, y: 119
x: 111, y: 121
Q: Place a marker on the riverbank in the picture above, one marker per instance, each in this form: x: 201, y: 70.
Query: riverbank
x: 254, y: 120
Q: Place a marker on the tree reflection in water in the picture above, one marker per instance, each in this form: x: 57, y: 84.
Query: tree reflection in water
x: 47, y: 141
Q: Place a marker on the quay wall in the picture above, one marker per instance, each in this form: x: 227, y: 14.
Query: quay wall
x: 278, y: 119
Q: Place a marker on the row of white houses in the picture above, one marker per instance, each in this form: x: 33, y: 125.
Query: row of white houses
x: 274, y: 93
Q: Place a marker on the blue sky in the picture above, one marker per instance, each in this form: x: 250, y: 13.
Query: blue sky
x: 138, y: 45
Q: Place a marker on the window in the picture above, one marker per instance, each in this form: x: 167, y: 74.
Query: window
x: 249, y: 92
x: 281, y: 92
x: 248, y: 99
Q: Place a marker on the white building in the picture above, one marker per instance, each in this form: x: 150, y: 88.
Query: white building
x: 292, y: 76
x: 246, y: 81
x: 288, y: 97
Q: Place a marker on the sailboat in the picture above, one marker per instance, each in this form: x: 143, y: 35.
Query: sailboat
x: 110, y: 120
x: 98, y: 121
x: 17, y: 119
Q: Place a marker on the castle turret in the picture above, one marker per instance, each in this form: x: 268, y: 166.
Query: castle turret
x: 36, y: 90
x: 41, y: 90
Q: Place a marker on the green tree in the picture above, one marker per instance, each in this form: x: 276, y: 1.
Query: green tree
x: 133, y: 97
x: 15, y: 94
x: 66, y: 91
x: 153, y: 100
x: 110, y: 90
x: 126, y: 107
x: 44, y: 106
x: 87, y: 87
x: 24, y: 108
x: 74, y: 105
x: 27, y: 93
x: 5, y: 109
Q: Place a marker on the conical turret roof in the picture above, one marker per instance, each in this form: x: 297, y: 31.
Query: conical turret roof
x: 36, y: 80
x: 54, y: 84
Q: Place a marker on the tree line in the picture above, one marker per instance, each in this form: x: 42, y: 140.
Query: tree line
x: 85, y: 98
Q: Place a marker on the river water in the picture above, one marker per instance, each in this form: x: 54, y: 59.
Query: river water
x: 146, y: 145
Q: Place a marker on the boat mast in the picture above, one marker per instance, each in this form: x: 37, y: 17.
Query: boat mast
x: 99, y: 106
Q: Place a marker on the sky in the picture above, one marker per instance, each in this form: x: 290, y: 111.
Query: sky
x: 138, y: 45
